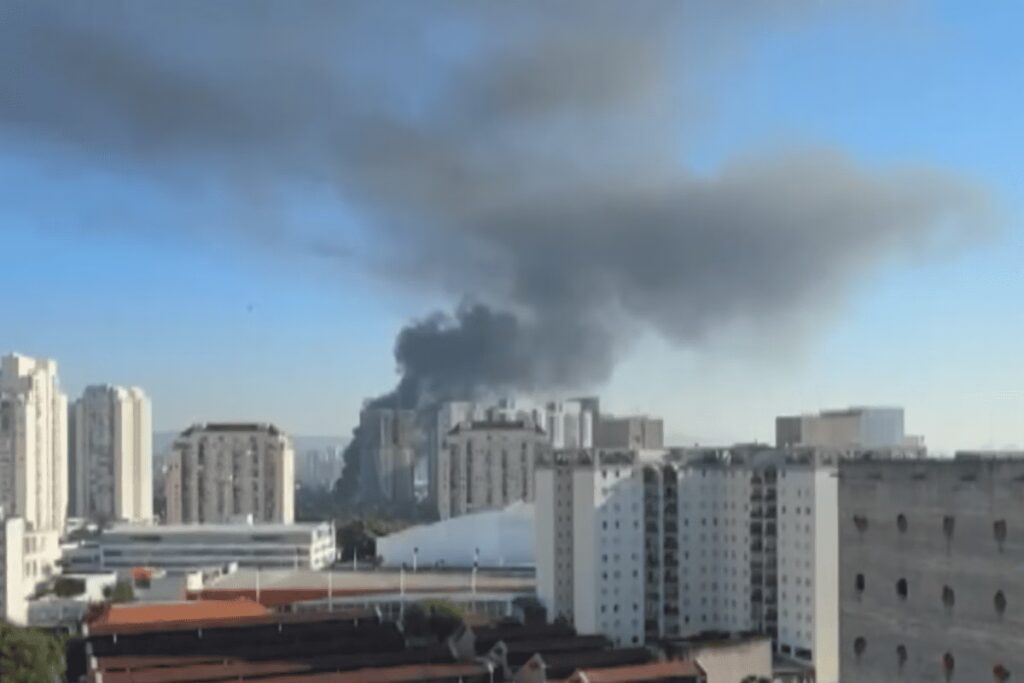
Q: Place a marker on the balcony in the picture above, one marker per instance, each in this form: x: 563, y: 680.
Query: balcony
x: 755, y: 496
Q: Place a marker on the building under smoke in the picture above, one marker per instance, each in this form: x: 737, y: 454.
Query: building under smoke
x: 385, y: 443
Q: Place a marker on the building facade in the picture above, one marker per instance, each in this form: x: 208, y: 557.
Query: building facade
x: 489, y: 464
x: 387, y: 457
x: 33, y: 443
x: 320, y: 468
x: 930, y: 570
x: 569, y: 423
x: 856, y: 429
x: 636, y: 432
x: 111, y: 454
x: 715, y: 540
x: 186, y: 547
x: 220, y: 472
x: 28, y: 558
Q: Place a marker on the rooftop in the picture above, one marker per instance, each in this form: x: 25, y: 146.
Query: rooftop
x: 232, y: 427
x: 242, y: 529
x: 115, y: 616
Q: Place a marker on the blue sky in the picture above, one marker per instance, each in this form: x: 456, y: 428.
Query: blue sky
x: 153, y: 279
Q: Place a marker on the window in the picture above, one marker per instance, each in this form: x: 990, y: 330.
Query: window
x: 901, y: 589
x: 861, y: 522
x: 1000, y: 602
x: 948, y: 664
x: 999, y: 531
x: 901, y: 655
x: 901, y: 523
x: 859, y: 645
x: 948, y: 526
x: 948, y: 597
x: 859, y: 583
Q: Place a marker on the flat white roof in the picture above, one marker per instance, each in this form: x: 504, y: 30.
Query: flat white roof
x: 201, y: 529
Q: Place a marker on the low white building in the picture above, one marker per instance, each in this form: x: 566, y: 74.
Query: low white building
x: 495, y: 538
x: 186, y: 547
x: 27, y: 560
x: 55, y: 610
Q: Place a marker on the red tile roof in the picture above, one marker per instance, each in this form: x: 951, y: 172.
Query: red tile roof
x: 394, y: 674
x: 157, y: 613
x: 637, y: 672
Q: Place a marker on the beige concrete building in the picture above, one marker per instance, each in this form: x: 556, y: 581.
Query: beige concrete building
x: 931, y: 585
x: 636, y: 432
x: 222, y: 472
x: 111, y: 454
x: 856, y: 429
x: 33, y: 443
x: 489, y: 464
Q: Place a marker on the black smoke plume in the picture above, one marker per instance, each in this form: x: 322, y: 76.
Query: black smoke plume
x: 527, y: 159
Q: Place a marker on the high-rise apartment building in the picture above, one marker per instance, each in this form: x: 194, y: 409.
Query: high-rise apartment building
x: 33, y: 443
x: 713, y: 539
x: 222, y: 472
x: 320, y: 468
x: 488, y: 464
x: 931, y: 553
x: 566, y: 424
x: 387, y: 456
x: 445, y: 417
x: 111, y: 454
x: 635, y: 432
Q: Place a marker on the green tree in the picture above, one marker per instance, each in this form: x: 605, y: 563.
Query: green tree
x: 29, y: 655
x: 121, y: 592
x: 67, y: 587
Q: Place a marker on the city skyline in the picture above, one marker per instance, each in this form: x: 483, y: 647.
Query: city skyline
x: 270, y: 295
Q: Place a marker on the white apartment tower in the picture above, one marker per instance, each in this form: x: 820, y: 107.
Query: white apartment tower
x: 222, y: 472
x: 33, y: 443
x: 741, y: 539
x: 111, y: 454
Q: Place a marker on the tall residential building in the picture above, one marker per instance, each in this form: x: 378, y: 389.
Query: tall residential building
x: 111, y: 454
x: 635, y: 432
x: 856, y: 429
x: 443, y: 419
x: 221, y: 472
x: 320, y: 468
x: 930, y: 569
x: 387, y: 457
x: 740, y: 539
x: 567, y: 424
x: 488, y: 464
x: 33, y: 443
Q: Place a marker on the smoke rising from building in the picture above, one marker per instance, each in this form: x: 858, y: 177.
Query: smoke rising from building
x: 529, y: 162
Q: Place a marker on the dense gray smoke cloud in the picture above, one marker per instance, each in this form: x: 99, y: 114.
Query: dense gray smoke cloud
x: 528, y: 159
